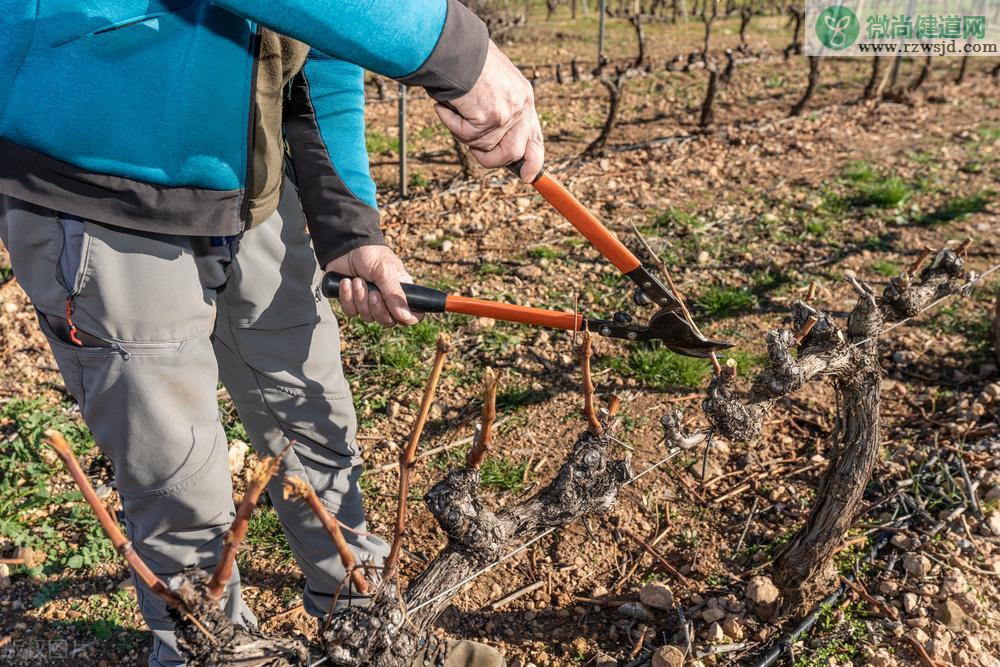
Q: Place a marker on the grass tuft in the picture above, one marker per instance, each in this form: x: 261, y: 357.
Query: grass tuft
x: 722, y: 300
x: 659, y: 368
x: 264, y: 531
x: 957, y: 208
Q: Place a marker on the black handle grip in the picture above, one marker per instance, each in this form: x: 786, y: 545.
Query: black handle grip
x: 418, y: 298
x: 515, y: 168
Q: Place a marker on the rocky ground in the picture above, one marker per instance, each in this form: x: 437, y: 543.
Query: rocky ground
x: 746, y: 216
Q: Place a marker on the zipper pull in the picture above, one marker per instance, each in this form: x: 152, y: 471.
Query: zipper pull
x: 69, y: 322
x: 121, y: 350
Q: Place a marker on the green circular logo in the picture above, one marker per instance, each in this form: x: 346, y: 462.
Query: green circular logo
x: 837, y: 27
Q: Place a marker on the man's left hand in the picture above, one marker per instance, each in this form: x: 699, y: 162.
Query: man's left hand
x: 380, y: 265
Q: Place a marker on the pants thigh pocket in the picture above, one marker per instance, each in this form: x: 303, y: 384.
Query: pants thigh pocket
x: 141, y: 289
x: 34, y: 242
x: 327, y: 422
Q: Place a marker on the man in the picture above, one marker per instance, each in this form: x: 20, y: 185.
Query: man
x: 146, y: 211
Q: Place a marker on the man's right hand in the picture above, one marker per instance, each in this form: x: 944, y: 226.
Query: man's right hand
x: 497, y: 118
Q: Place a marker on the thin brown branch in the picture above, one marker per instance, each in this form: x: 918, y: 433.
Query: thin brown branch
x: 259, y: 478
x: 657, y: 556
x: 488, y: 415
x: 921, y: 652
x: 811, y: 294
x: 614, y: 403
x: 863, y: 593
x: 806, y: 327
x: 963, y: 249
x: 408, y: 455
x: 921, y: 259
x: 589, y: 411
x: 300, y: 488
x: 56, y: 441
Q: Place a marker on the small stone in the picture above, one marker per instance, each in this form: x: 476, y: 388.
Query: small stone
x: 917, y: 565
x: 636, y: 610
x: 714, y: 634
x: 604, y: 660
x: 993, y: 494
x: 668, y: 656
x: 713, y: 614
x: 238, y: 451
x: 993, y: 523
x: 733, y: 628
x: 703, y: 257
x: 704, y: 470
x: 32, y: 557
x: 125, y: 584
x: 393, y: 409
x: 10, y: 307
x: 918, y: 635
x: 4, y: 575
x: 888, y: 588
x: 953, y: 616
x: 909, y: 602
x: 881, y: 658
x: 104, y: 490
x: 528, y: 272
x: 481, y: 324
x: 954, y: 583
x: 657, y: 595
x: 761, y: 591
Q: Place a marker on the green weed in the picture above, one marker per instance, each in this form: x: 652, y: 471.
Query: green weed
x: 659, y: 368
x: 516, y: 397
x: 860, y: 172
x: 546, y: 252
x: 264, y: 532
x: 501, y: 473
x: 675, y: 218
x: 722, y: 300
x: 31, y: 513
x: 884, y: 193
x: 957, y: 208
x: 884, y: 267
x: 490, y: 269
x: 378, y: 143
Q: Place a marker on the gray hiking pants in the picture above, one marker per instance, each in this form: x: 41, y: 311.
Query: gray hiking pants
x: 162, y: 319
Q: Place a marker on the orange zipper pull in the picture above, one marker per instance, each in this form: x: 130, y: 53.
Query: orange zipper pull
x: 69, y: 322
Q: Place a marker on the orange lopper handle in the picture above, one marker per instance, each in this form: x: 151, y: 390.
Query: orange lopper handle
x: 587, y: 224
x: 510, y: 313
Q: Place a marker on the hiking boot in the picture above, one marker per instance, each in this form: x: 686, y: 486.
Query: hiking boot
x: 463, y: 653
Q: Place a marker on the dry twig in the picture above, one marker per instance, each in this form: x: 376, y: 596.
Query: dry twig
x: 300, y: 488
x: 408, y: 455
x: 488, y: 415
x: 261, y: 475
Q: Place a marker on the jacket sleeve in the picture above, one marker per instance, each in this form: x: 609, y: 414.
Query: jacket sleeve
x: 325, y: 134
x: 437, y: 44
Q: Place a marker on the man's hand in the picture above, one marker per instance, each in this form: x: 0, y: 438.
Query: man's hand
x: 380, y: 265
x: 497, y: 118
